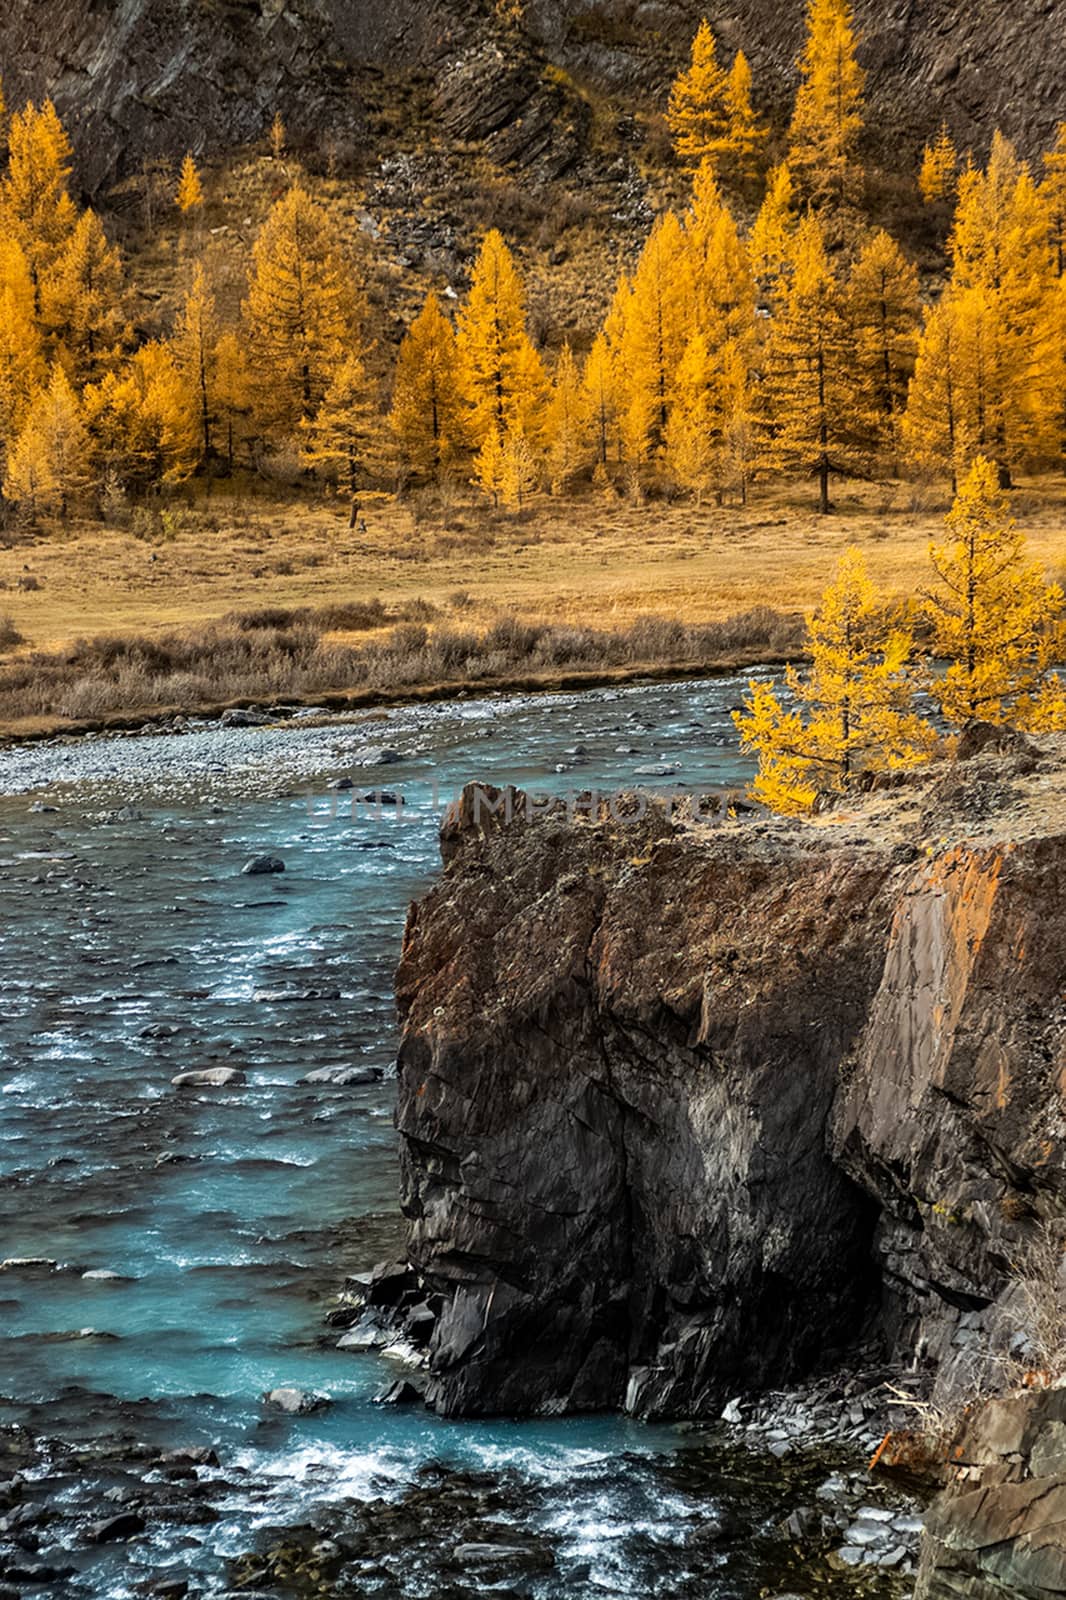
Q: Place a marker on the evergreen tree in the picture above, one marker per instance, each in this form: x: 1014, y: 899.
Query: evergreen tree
x: 35, y: 204
x: 827, y: 122
x: 654, y: 335
x: 190, y: 192
x: 936, y: 434
x: 853, y: 709
x: 503, y: 375
x: 601, y: 390
x: 816, y: 422
x: 343, y: 431
x: 884, y: 314
x: 567, y: 425
x: 193, y: 343
x: 698, y: 115
x: 49, y: 463
x: 716, y: 269
x: 745, y: 139
x: 429, y: 417
x: 770, y: 247
x: 996, y: 617
x: 696, y: 429
x: 940, y: 165
x: 302, y: 312
x: 81, y: 303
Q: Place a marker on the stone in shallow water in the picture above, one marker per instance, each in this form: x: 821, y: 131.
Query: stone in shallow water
x: 296, y: 1402
x: 344, y: 1077
x: 262, y: 866
x: 209, y: 1078
x: 124, y: 1526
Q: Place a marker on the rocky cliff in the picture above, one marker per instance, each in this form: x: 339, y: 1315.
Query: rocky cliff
x: 143, y: 77
x: 685, y: 1106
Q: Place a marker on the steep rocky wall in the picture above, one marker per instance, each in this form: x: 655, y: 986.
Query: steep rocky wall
x: 144, y: 77
x: 684, y: 1107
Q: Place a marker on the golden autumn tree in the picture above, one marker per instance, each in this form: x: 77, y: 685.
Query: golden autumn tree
x: 816, y: 423
x: 22, y: 363
x: 770, y: 245
x: 883, y: 310
x: 429, y: 417
x: 82, y: 303
x: 936, y: 430
x: 1053, y: 192
x: 194, y: 342
x: 344, y: 430
x: 939, y: 169
x: 698, y: 113
x: 233, y: 394
x: 520, y: 468
x: 696, y: 430
x: 996, y: 618
x: 716, y: 271
x: 503, y: 374
x: 49, y: 464
x: 654, y: 322
x: 827, y: 121
x: 567, y: 425
x: 35, y: 204
x: 144, y: 420
x: 851, y: 712
x: 601, y: 391
x: 741, y: 153
x: 189, y: 195
x: 303, y: 313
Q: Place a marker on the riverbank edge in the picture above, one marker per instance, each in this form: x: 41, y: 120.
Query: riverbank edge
x: 338, y: 702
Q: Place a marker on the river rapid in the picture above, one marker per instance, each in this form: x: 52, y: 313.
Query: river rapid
x: 172, y: 1254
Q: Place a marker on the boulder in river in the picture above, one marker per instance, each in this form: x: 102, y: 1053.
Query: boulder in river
x: 345, y: 1077
x: 209, y: 1078
x: 262, y: 866
x: 121, y: 1527
x: 379, y: 756
x: 239, y: 717
x: 296, y: 1402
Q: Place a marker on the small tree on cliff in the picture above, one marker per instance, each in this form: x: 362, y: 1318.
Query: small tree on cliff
x: 853, y: 710
x: 998, y: 621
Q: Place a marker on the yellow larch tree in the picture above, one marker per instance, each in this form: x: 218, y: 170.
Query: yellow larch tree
x: 696, y: 429
x: 852, y: 711
x: 430, y: 414
x: 770, y: 245
x: 995, y: 616
x: 189, y: 196
x: 22, y: 362
x: 884, y: 314
x: 827, y: 121
x: 698, y: 113
x: 813, y: 413
x: 193, y: 341
x: 49, y: 464
x: 653, y: 338
x: 716, y: 269
x: 233, y: 394
x: 82, y: 303
x: 343, y: 433
x: 35, y: 204
x: 489, y: 467
x: 144, y: 420
x: 939, y: 169
x: 567, y: 425
x: 503, y: 375
x: 601, y: 389
x: 742, y: 149
x: 303, y: 313
x: 520, y: 468
x: 936, y: 430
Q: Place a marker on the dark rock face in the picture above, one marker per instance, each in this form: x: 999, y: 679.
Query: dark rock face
x: 684, y: 1108
x: 150, y: 78
x: 1000, y: 1530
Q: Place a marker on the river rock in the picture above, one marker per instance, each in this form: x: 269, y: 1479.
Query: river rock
x: 241, y: 718
x: 379, y: 756
x: 125, y: 1525
x: 209, y: 1078
x: 263, y: 866
x: 296, y: 1402
x: 345, y: 1077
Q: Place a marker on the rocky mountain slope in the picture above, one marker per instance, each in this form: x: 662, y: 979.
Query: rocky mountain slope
x: 142, y: 77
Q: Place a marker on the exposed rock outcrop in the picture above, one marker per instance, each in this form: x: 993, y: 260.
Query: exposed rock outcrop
x: 145, y: 77
x: 684, y: 1106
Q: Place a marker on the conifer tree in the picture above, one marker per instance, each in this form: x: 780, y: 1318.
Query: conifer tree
x: 853, y: 709
x: 996, y: 617
x: 600, y: 385
x: 503, y: 374
x: 696, y: 429
x: 429, y: 417
x: 827, y: 121
x: 190, y: 192
x: 232, y: 393
x: 770, y: 246
x: 817, y: 424
x: 144, y: 420
x: 884, y: 314
x: 303, y: 313
x: 22, y: 364
x: 1054, y: 195
x: 193, y: 342
x: 342, y: 434
x: 49, y: 464
x: 940, y: 165
x: 81, y: 303
x: 745, y: 137
x: 567, y: 425
x: 653, y: 340
x: 519, y: 468
x: 490, y: 466
x: 35, y: 204
x: 935, y: 431
x: 716, y: 270
x: 698, y: 115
